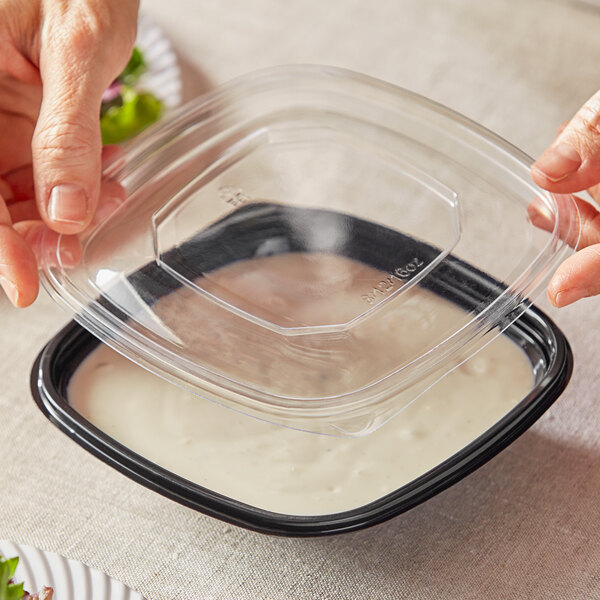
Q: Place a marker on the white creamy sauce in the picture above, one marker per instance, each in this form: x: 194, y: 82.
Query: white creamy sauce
x: 288, y: 471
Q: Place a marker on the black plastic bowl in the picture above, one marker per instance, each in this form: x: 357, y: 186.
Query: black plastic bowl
x: 545, y: 345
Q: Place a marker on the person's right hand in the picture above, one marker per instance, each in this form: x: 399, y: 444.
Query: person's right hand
x: 56, y: 60
x: 572, y: 164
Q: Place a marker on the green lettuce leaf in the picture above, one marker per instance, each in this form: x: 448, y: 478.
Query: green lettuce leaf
x: 134, y: 69
x: 9, y: 590
x: 137, y: 111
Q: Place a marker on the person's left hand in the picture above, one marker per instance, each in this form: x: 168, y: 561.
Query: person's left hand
x: 56, y: 60
x: 22, y: 229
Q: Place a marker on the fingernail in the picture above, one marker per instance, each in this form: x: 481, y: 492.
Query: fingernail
x: 558, y: 162
x: 68, y: 204
x: 106, y: 208
x: 565, y: 297
x: 10, y: 289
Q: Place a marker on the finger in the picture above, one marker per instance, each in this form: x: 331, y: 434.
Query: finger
x: 17, y: 130
x: 26, y: 221
x: 577, y: 222
x: 21, y: 183
x: 25, y: 210
x: 13, y: 62
x: 5, y: 190
x: 50, y: 248
x: 589, y: 223
x: 572, y: 162
x: 110, y: 154
x: 83, y: 50
x: 112, y: 196
x: 577, y: 277
x: 18, y: 266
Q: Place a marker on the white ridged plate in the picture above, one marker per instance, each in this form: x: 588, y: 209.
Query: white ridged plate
x: 70, y: 579
x: 163, y: 77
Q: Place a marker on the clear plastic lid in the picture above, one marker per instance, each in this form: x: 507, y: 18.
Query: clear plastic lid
x: 313, y: 247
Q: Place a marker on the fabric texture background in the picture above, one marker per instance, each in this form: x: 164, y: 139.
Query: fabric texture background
x: 527, y: 524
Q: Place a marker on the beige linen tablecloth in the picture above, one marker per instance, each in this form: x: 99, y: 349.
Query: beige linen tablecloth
x: 527, y: 524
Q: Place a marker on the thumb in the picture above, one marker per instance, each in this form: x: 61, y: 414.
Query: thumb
x: 77, y: 63
x: 572, y: 162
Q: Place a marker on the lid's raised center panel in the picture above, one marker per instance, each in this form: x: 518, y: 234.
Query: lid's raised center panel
x: 300, y: 187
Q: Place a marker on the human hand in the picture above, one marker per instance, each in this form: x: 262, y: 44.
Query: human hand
x: 572, y: 164
x: 56, y: 60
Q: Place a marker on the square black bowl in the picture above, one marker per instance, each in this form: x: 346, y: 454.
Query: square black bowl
x: 454, y: 280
